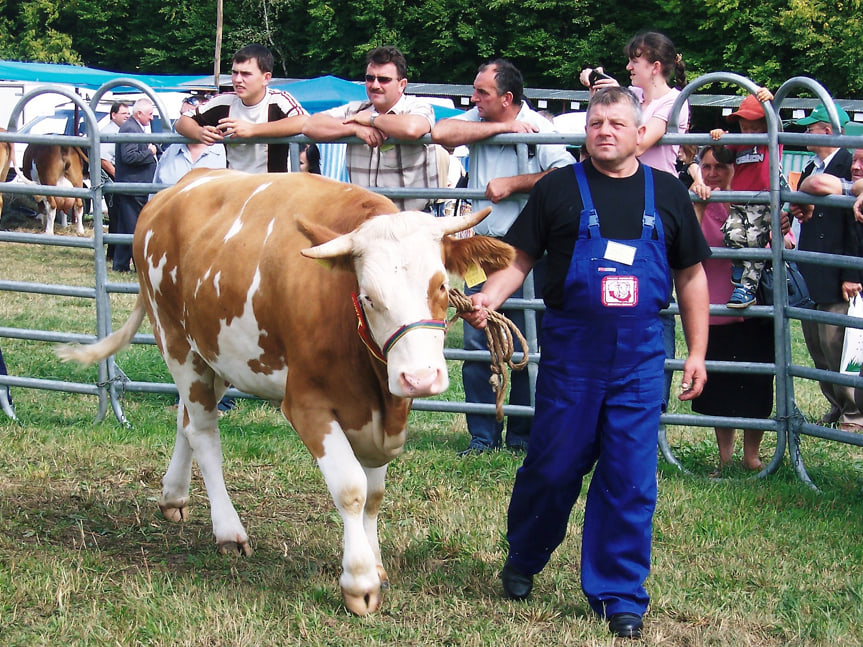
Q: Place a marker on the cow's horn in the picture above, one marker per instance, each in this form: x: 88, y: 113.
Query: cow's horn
x: 340, y: 246
x: 455, y: 224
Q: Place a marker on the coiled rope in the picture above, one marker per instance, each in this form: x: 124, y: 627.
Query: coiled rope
x: 500, y: 334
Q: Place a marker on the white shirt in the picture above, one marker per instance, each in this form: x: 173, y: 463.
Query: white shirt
x: 488, y: 162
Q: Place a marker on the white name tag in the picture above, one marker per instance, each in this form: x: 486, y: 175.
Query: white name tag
x: 620, y: 253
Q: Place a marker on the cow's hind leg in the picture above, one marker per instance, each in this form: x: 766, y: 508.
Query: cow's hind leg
x: 198, y: 438
x: 174, y: 502
x: 78, y: 215
x: 50, y: 216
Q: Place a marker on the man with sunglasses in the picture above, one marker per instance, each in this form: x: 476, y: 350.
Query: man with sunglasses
x: 385, y: 122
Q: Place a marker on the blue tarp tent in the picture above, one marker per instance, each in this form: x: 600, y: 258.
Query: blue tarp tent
x: 327, y: 92
x: 87, y: 77
x: 322, y: 93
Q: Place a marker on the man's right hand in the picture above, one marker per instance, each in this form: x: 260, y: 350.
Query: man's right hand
x: 802, y: 212
x: 478, y: 317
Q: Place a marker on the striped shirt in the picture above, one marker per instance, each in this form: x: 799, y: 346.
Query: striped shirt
x: 252, y: 158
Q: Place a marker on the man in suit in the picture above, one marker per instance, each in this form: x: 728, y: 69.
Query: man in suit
x: 830, y: 230
x: 134, y: 162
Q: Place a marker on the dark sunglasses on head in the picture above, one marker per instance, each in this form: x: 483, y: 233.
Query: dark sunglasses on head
x: 192, y: 101
x: 383, y: 80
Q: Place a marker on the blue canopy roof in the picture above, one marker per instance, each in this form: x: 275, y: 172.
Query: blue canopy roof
x: 315, y: 95
x: 87, y: 77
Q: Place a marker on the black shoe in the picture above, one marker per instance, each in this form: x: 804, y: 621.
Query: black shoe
x: 516, y: 585
x: 625, y: 625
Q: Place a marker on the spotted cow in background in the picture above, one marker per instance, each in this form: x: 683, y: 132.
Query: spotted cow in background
x: 60, y: 166
x: 237, y: 295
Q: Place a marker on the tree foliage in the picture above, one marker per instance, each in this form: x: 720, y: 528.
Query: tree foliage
x: 444, y: 40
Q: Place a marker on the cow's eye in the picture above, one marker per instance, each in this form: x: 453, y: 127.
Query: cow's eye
x: 367, y: 301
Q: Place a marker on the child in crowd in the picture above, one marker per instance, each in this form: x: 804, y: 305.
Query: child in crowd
x: 688, y: 169
x: 748, y: 225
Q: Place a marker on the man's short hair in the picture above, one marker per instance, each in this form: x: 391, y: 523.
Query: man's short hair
x: 115, y: 107
x: 613, y: 95
x: 142, y: 105
x: 389, y: 54
x: 258, y: 53
x: 507, y: 78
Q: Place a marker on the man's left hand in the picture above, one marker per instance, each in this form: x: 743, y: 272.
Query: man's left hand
x: 235, y: 127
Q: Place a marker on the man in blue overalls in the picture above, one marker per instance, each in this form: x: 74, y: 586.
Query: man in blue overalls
x: 614, y: 232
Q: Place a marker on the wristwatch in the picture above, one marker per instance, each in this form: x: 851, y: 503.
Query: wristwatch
x: 372, y: 119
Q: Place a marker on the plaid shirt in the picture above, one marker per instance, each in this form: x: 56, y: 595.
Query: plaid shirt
x: 393, y: 165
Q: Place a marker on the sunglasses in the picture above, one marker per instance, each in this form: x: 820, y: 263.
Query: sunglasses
x: 383, y: 80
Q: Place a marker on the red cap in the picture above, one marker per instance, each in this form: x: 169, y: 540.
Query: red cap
x: 750, y: 108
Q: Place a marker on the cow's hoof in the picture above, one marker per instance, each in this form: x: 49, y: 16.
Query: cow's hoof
x: 174, y: 513
x: 362, y: 605
x: 243, y: 549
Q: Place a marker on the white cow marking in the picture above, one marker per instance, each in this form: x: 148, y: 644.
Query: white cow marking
x: 237, y: 226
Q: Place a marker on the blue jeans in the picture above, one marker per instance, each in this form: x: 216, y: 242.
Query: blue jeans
x: 484, y: 430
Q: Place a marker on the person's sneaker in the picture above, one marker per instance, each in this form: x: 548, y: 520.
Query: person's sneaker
x: 741, y: 298
x: 475, y: 448
x: 227, y: 404
x: 736, y: 275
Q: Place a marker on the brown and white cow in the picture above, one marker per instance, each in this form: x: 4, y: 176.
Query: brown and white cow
x: 236, y: 295
x: 60, y: 166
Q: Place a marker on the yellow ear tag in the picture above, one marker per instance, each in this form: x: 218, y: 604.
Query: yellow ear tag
x: 325, y: 263
x: 474, y: 275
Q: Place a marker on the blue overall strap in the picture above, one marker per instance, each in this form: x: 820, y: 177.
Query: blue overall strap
x: 649, y: 219
x: 589, y: 218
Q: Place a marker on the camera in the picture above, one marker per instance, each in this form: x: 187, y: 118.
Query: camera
x: 596, y: 75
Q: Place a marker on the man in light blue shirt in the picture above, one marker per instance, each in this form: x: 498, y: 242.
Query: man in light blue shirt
x: 498, y: 109
x: 179, y: 159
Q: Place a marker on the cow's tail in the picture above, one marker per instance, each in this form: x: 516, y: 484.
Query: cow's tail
x: 91, y: 353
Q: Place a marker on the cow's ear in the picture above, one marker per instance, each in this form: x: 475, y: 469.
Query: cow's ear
x: 317, y: 234
x: 489, y: 253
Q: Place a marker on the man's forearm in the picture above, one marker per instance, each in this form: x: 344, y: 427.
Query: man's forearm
x: 456, y: 132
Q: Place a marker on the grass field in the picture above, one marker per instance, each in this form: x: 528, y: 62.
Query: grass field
x: 86, y: 558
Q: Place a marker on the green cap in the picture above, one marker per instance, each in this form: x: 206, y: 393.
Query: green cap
x: 820, y: 114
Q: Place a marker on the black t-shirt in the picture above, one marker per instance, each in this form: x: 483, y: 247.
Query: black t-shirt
x: 549, y: 221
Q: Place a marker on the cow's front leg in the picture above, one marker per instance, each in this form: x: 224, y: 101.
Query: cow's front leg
x: 375, y: 477
x: 347, y: 483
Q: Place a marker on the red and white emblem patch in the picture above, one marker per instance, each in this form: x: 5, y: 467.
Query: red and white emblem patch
x: 620, y: 291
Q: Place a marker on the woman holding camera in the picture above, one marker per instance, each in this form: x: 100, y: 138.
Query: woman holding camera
x: 653, y: 63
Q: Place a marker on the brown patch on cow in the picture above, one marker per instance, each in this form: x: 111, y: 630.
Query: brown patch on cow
x: 52, y: 163
x: 490, y: 253
x: 186, y: 418
x: 438, y: 296
x: 7, y: 158
x: 202, y: 393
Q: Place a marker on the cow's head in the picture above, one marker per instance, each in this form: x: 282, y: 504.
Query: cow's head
x: 401, y: 262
